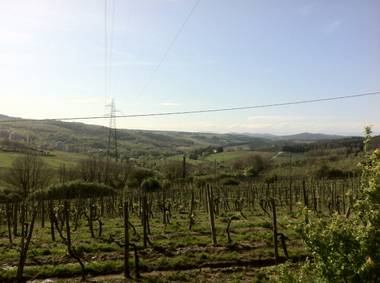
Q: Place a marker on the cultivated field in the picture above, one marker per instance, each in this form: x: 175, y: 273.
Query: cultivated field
x: 168, y: 249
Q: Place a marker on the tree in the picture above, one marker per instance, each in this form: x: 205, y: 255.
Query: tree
x: 138, y: 175
x: 255, y: 165
x: 99, y: 170
x: 27, y: 175
x: 173, y: 170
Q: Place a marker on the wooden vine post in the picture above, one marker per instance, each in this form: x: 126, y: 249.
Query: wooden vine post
x: 126, y: 241
x: 191, y: 213
x: 184, y: 167
x: 274, y: 224
x: 211, y: 214
x: 305, y: 197
x: 145, y: 220
x: 9, y: 219
x: 290, y: 197
x: 164, y: 207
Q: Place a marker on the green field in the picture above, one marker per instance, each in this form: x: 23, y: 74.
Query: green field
x: 177, y: 253
x: 54, y: 161
x: 236, y: 155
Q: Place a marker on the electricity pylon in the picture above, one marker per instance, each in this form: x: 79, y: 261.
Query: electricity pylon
x: 112, y: 150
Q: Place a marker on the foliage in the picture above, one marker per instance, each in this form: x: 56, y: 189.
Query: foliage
x: 230, y: 182
x: 352, y: 145
x: 347, y: 249
x: 9, y: 195
x: 73, y: 190
x: 328, y: 172
x: 173, y: 169
x: 289, y: 273
x: 255, y: 165
x: 138, y: 175
x: 101, y: 170
x: 150, y: 185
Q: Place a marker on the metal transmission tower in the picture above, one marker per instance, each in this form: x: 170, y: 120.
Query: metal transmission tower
x: 112, y: 150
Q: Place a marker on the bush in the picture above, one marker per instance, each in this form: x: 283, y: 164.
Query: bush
x: 255, y: 165
x: 230, y: 182
x: 74, y: 190
x: 138, y: 175
x: 346, y: 249
x: 271, y: 179
x: 331, y: 173
x: 150, y: 185
x: 173, y: 169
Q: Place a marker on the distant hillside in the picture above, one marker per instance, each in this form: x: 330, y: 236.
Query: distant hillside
x: 375, y: 142
x: 79, y: 137
x: 84, y: 138
x: 311, y: 137
x: 262, y: 135
x: 4, y: 117
x: 296, y: 137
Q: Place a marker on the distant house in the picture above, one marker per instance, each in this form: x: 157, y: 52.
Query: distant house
x: 218, y: 149
x: 211, y: 150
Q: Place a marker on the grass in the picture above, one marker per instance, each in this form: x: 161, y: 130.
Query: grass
x: 188, y: 250
x: 65, y: 270
x: 229, y: 156
x: 6, y: 158
x: 300, y: 164
x: 54, y: 161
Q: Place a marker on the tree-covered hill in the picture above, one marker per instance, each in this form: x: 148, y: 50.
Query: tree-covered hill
x: 79, y: 137
x: 48, y: 135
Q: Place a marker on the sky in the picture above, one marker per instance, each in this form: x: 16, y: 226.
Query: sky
x: 228, y: 54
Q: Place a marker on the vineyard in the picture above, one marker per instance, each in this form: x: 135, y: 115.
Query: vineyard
x: 174, y: 232
x: 189, y: 141
x: 247, y: 216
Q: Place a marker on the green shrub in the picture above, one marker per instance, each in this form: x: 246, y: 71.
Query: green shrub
x: 76, y: 189
x: 230, y: 182
x: 256, y: 165
x: 150, y: 185
x: 331, y: 173
x: 347, y: 249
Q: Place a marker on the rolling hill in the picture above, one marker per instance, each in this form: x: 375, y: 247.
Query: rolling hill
x: 48, y: 135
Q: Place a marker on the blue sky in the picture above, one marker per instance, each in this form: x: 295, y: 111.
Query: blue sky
x: 230, y: 53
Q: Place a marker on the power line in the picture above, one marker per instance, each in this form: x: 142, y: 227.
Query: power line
x: 105, y: 52
x: 169, y: 48
x: 110, y: 51
x: 205, y: 110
